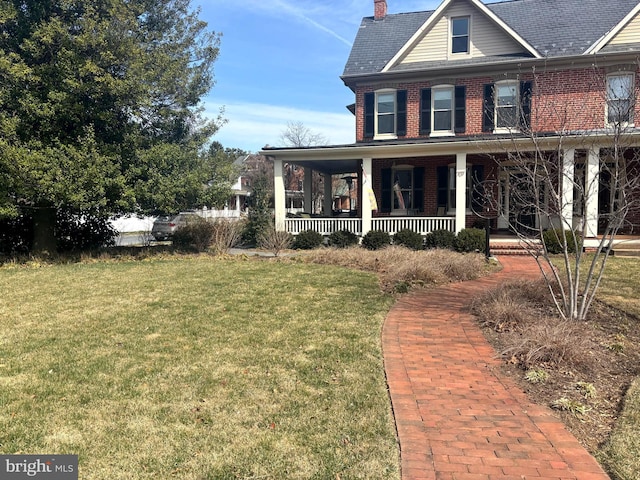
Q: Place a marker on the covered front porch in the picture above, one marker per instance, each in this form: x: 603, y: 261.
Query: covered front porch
x: 428, y: 185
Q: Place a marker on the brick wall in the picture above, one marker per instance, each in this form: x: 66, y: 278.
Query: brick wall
x: 562, y: 100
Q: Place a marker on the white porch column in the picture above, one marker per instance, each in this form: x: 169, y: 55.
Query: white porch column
x: 307, y: 186
x: 279, y: 195
x: 568, y: 175
x: 328, y: 193
x: 461, y: 191
x: 592, y: 189
x: 365, y: 185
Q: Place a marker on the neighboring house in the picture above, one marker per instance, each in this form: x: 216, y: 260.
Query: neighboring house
x: 442, y: 97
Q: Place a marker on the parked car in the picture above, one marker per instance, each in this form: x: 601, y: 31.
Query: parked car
x: 165, y: 225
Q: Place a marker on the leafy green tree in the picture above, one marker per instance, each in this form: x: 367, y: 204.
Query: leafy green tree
x: 100, y: 107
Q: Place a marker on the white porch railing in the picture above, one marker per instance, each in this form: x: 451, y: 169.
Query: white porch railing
x: 422, y: 225
x: 324, y: 226
x: 391, y: 225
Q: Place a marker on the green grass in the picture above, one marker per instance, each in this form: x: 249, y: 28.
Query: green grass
x: 197, y: 368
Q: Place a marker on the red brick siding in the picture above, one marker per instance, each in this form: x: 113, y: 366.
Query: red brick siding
x: 567, y: 99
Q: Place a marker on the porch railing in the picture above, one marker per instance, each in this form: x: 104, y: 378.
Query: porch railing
x: 391, y: 225
x: 422, y: 225
x: 324, y: 226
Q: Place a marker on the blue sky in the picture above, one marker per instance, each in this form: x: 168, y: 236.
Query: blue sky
x: 280, y: 61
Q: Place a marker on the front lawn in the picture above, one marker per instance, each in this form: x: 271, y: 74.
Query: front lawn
x: 197, y: 368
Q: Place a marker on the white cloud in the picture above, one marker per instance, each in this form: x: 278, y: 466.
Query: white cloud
x: 251, y: 126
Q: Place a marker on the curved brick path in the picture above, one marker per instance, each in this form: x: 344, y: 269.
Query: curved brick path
x: 456, y: 418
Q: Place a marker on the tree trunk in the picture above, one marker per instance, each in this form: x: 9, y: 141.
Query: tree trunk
x: 44, y: 223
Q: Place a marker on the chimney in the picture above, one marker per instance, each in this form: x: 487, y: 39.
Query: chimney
x: 380, y: 9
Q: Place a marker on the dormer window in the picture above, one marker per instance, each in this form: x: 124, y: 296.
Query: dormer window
x: 460, y: 35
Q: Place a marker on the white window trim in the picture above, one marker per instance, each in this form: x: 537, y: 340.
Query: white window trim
x: 450, y: 38
x: 405, y: 168
x: 386, y: 136
x: 631, y: 122
x: 451, y: 131
x: 468, y: 193
x: 513, y: 129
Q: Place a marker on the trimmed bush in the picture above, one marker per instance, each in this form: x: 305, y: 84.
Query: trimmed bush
x: 307, y: 240
x: 376, y: 239
x: 470, y: 240
x: 440, y: 239
x: 343, y: 239
x: 554, y: 240
x: 408, y: 238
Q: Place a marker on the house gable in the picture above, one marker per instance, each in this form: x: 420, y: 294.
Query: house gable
x: 487, y: 39
x: 626, y: 32
x: 630, y: 34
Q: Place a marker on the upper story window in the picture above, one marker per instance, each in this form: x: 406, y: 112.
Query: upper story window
x: 620, y: 99
x: 385, y: 114
x: 460, y: 34
x: 442, y: 110
x: 507, y: 106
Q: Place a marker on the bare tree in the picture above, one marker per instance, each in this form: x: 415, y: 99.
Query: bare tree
x: 554, y: 183
x: 298, y: 135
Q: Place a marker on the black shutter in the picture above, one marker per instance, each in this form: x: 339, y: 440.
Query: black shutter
x: 385, y: 200
x: 477, y: 176
x: 442, y: 174
x: 461, y: 112
x: 525, y: 104
x: 401, y: 112
x: 425, y: 111
x: 418, y: 188
x: 488, y: 109
x: 369, y: 114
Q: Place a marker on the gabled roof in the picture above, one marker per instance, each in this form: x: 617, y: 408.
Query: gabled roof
x: 553, y: 28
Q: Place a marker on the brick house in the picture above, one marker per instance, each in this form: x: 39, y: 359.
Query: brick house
x: 452, y: 99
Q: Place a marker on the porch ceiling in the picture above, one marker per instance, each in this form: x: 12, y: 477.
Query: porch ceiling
x: 330, y: 167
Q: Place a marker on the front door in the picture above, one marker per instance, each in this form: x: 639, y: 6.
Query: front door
x: 517, y: 203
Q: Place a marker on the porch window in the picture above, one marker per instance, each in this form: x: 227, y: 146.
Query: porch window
x: 460, y: 35
x: 402, y: 190
x: 620, y: 99
x: 446, y: 177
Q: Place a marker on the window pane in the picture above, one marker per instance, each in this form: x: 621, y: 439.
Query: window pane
x: 386, y: 123
x: 442, y: 120
x: 386, y: 103
x: 619, y: 111
x: 460, y: 45
x: 507, y: 95
x: 460, y: 26
x: 442, y: 99
x: 620, y: 87
x: 506, y: 117
x: 403, y: 178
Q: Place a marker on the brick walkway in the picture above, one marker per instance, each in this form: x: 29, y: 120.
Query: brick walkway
x: 456, y: 418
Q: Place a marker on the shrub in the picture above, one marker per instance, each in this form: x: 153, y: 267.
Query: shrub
x: 376, y: 239
x: 408, y: 238
x: 440, y: 239
x: 470, y: 240
x: 307, y: 240
x: 275, y: 241
x: 226, y: 234
x: 554, y: 240
x: 343, y: 239
x: 196, y: 235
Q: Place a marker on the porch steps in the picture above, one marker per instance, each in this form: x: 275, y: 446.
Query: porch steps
x: 626, y: 251
x: 501, y: 248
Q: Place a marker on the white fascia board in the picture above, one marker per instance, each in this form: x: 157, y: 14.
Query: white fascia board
x: 436, y: 16
x: 607, y: 37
